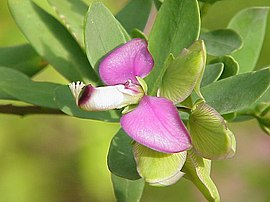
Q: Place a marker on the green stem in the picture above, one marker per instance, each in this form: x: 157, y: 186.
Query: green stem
x: 27, y: 110
x: 246, y: 112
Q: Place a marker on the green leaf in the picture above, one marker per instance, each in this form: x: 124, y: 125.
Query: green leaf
x: 187, y: 104
x: 176, y: 27
x: 229, y: 116
x: 22, y: 58
x: 265, y: 97
x: 158, y: 4
x: 262, y: 112
x: 156, y: 168
x: 66, y: 102
x: 72, y: 15
x: 102, y: 33
x: 52, y: 41
x: 5, y: 96
x: 127, y: 190
x: 136, y: 33
x: 198, y: 170
x: 36, y: 93
x: 259, y: 110
x: 19, y: 86
x: 212, y: 73
x: 127, y: 18
x: 124, y: 32
x: 182, y: 74
x: 197, y: 87
x: 142, y: 84
x: 250, y: 24
x: 221, y: 42
x: 254, y: 111
x: 11, y: 76
x: 120, y: 157
x: 231, y: 66
x: 210, y: 1
x: 210, y: 136
x: 237, y: 92
x: 158, y: 81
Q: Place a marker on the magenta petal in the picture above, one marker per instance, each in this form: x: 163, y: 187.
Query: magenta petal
x: 156, y: 124
x: 126, y: 62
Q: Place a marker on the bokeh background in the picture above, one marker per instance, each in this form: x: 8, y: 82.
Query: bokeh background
x: 58, y: 158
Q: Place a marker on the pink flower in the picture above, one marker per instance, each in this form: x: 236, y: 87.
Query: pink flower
x: 155, y: 122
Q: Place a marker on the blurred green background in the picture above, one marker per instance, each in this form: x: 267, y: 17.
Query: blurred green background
x: 59, y: 158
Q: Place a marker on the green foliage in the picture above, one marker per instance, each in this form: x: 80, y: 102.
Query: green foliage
x: 197, y: 170
x: 210, y: 136
x: 194, y: 47
x: 127, y: 18
x: 103, y: 33
x: 7, y: 77
x: 221, y: 42
x: 250, y: 24
x: 22, y: 58
x: 120, y: 157
x: 158, y: 4
x: 18, y: 86
x: 54, y: 43
x: 262, y: 113
x: 170, y: 34
x: 156, y: 168
x: 231, y: 67
x: 71, y: 13
x: 210, y: 1
x: 182, y: 74
x: 80, y: 37
x: 136, y: 33
x: 127, y: 190
x: 258, y: 110
x: 212, y: 73
x: 237, y: 92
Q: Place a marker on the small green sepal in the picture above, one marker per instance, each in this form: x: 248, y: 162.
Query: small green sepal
x: 210, y: 136
x: 156, y: 168
x: 129, y: 108
x: 143, y: 84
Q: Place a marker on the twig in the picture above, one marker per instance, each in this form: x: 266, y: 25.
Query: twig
x: 27, y: 110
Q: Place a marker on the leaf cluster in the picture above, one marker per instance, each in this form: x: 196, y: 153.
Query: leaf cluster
x: 208, y: 73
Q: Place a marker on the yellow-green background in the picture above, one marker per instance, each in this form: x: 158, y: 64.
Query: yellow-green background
x: 58, y: 158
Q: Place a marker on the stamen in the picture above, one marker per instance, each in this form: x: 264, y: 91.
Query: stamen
x: 134, y: 88
x: 76, y: 88
x: 128, y: 83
